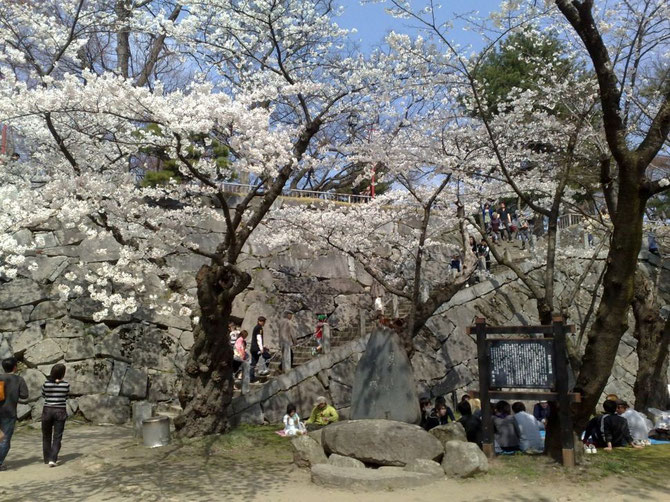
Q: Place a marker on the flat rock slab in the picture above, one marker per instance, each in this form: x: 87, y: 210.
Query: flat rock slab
x: 368, y: 479
x: 381, y: 442
x: 340, y: 461
x: 426, y: 467
x: 384, y: 385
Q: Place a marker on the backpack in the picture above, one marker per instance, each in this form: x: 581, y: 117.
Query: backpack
x: 2, y: 390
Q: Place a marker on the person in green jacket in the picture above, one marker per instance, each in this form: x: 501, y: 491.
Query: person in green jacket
x: 322, y: 414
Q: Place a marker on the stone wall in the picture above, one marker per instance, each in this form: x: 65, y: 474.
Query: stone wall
x: 140, y: 356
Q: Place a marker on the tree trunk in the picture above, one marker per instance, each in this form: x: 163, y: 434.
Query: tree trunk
x: 207, y: 388
x: 653, y: 339
x: 123, y: 39
x: 612, y: 316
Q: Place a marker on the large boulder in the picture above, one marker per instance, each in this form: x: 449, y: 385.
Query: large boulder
x: 384, y: 385
x: 352, y: 478
x: 462, y: 460
x: 453, y: 431
x: 103, y: 409
x: 307, y: 452
x: 381, y: 442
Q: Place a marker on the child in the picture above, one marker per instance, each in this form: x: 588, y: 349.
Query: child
x: 318, y: 334
x: 292, y: 424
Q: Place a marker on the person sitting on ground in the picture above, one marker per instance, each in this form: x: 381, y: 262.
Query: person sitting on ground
x: 615, y: 428
x: 440, y: 414
x: 471, y: 423
x: 476, y: 406
x: 322, y: 414
x: 593, y: 434
x: 292, y: 424
x: 541, y: 412
x: 638, y: 424
x: 609, y: 430
x: 530, y: 439
x: 425, y: 405
x: 505, y: 429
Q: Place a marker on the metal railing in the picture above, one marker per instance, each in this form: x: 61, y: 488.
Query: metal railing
x: 243, y: 189
x: 569, y: 220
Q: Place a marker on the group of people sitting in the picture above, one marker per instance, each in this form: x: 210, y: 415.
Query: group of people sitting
x: 514, y: 428
x: 440, y: 414
x: 322, y: 415
x: 618, y: 426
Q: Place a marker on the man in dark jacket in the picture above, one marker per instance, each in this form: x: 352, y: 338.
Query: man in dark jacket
x: 615, y: 428
x: 14, y: 388
x: 609, y: 430
x: 257, y: 347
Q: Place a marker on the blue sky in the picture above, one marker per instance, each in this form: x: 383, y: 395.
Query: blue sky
x: 373, y: 23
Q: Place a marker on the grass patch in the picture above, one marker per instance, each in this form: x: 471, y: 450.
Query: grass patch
x: 650, y: 465
x: 245, y: 444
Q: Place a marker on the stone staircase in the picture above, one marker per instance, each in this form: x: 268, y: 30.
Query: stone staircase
x: 302, y: 354
x: 303, y: 351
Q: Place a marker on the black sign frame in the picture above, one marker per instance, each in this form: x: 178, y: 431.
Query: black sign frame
x: 553, y: 334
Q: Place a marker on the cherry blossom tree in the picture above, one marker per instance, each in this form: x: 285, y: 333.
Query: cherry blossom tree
x: 422, y: 145
x: 623, y: 43
x: 270, y: 81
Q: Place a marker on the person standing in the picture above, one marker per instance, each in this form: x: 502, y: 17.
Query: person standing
x: 487, y: 213
x: 484, y: 254
x: 257, y: 347
x: 12, y: 389
x: 287, y: 338
x: 54, y: 391
x: 505, y: 221
x: 240, y: 351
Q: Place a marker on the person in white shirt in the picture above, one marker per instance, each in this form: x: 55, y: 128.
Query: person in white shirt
x: 292, y: 424
x: 638, y: 424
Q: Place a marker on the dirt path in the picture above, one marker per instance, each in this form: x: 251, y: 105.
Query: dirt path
x: 107, y: 464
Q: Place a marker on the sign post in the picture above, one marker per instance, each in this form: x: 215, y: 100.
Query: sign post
x: 524, y: 363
